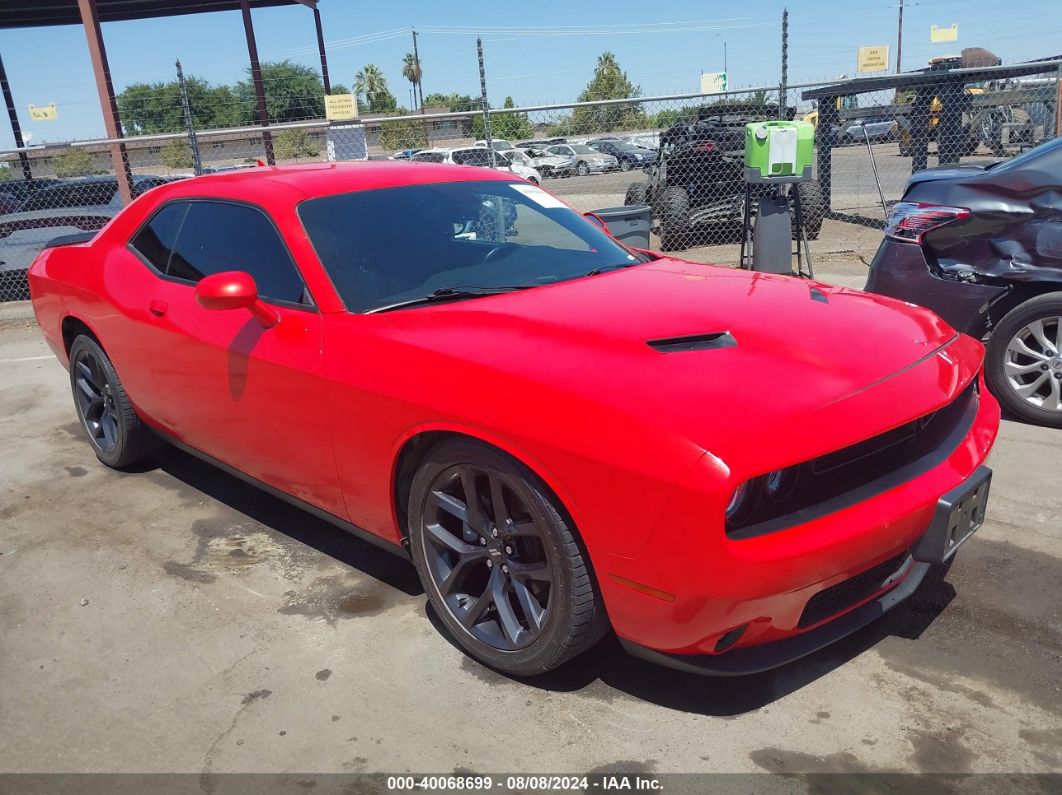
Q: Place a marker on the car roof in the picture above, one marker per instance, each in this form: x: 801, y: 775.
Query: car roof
x: 301, y: 181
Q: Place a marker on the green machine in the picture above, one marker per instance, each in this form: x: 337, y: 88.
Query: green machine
x: 778, y: 154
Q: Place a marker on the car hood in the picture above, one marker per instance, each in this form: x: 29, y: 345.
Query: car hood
x: 790, y: 350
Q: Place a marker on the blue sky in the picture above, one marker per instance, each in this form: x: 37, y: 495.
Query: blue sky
x: 51, y: 64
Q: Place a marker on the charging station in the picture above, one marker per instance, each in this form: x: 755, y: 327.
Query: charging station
x: 778, y: 156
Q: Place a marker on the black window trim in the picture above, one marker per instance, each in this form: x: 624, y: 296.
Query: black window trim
x: 311, y: 307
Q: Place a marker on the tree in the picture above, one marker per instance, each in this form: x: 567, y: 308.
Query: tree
x: 411, y: 70
x: 5, y: 173
x: 293, y: 92
x: 370, y: 83
x: 176, y: 154
x: 457, y: 103
x: 295, y: 144
x: 510, y: 126
x: 609, y: 82
x: 72, y: 162
x: 151, y: 108
x: 339, y: 88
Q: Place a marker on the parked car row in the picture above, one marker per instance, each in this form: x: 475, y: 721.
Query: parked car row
x: 549, y: 157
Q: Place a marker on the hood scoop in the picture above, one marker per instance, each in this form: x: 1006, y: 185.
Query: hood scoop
x: 694, y: 342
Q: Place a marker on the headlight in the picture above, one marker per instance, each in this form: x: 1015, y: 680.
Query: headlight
x: 780, y: 484
x: 743, y: 501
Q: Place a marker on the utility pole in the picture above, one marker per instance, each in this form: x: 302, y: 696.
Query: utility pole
x: 193, y: 141
x: 783, y: 88
x: 483, y: 101
x: 899, y: 38
x: 420, y: 86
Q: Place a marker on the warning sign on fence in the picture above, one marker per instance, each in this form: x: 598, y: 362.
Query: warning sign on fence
x: 873, y: 59
x: 43, y: 112
x: 340, y: 107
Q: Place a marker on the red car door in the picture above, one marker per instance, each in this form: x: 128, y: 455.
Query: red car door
x: 249, y: 396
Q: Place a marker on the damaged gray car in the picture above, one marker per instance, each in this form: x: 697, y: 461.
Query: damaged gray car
x: 982, y: 247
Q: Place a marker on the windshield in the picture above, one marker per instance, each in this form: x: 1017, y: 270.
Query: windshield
x: 622, y: 145
x: 583, y: 149
x: 381, y: 247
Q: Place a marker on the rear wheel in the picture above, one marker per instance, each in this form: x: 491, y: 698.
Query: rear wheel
x: 500, y: 562
x: 114, y: 430
x: 813, y: 208
x: 637, y: 193
x: 1024, y: 361
x: 674, y: 218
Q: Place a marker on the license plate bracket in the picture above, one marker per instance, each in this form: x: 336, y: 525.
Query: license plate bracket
x: 960, y: 513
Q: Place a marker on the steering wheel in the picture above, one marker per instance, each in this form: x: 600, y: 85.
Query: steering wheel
x: 500, y: 251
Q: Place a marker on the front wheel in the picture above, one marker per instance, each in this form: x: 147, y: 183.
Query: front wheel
x: 674, y: 218
x: 499, y: 561
x: 625, y: 165
x: 1023, y: 364
x: 583, y: 169
x: 114, y: 430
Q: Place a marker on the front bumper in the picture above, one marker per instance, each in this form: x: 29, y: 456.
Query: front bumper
x: 705, y: 586
x: 900, y: 270
x: 888, y: 589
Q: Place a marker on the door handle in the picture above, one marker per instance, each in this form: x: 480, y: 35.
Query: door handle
x: 157, y: 308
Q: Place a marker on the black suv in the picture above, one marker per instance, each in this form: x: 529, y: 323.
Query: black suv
x: 696, y: 186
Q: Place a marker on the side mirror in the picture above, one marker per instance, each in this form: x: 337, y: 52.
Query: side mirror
x: 234, y: 290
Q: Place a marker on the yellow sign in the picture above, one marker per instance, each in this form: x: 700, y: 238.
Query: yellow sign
x: 340, y: 107
x: 941, y: 35
x: 873, y: 59
x: 46, y: 113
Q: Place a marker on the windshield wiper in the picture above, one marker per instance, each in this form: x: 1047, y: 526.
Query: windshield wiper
x: 607, y: 268
x: 451, y: 294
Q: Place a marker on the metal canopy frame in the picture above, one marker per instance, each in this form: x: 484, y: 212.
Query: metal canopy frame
x: 91, y: 13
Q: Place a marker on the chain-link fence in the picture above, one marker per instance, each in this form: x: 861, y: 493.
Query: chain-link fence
x: 682, y: 156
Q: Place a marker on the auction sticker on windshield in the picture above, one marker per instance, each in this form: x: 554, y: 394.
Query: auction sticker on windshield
x: 539, y: 196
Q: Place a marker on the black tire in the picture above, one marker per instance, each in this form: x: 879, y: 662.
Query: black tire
x: 674, y: 218
x: 582, y: 169
x: 546, y: 172
x: 472, y: 556
x: 813, y: 209
x: 1046, y: 308
x: 625, y: 165
x: 118, y: 437
x: 637, y: 193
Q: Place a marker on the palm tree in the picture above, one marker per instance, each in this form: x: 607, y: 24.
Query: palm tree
x: 371, y: 83
x: 411, y: 70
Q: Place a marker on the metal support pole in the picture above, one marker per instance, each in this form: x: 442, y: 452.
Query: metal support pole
x: 828, y: 119
x: 782, y: 89
x: 112, y: 122
x: 420, y: 89
x: 1058, y: 102
x: 12, y: 114
x: 193, y: 141
x: 256, y: 77
x: 483, y: 101
x: 899, y: 38
x: 321, y: 50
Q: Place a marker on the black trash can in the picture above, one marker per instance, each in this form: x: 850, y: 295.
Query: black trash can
x: 630, y: 225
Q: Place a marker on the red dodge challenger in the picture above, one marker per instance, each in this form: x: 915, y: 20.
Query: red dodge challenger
x: 727, y: 469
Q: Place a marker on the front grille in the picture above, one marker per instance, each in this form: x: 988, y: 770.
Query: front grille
x: 840, y: 597
x: 845, y: 477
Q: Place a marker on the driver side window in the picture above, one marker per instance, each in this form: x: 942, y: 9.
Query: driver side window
x: 189, y: 240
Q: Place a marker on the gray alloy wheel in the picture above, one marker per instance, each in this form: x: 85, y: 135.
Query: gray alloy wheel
x: 1024, y: 361
x: 499, y: 562
x: 1033, y: 363
x: 583, y: 168
x: 107, y: 415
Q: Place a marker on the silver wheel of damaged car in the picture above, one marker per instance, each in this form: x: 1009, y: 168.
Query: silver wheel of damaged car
x: 1033, y: 363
